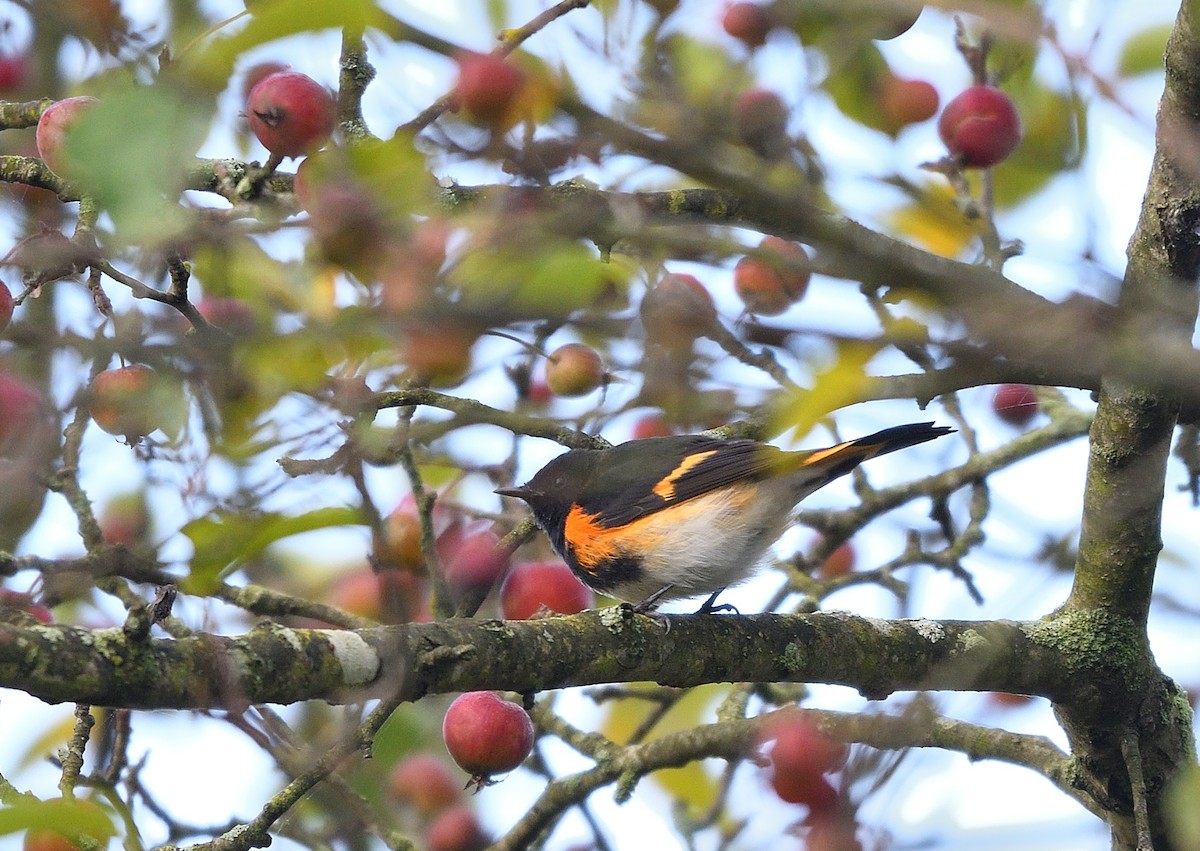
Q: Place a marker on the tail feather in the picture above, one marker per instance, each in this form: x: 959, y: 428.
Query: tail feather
x: 818, y: 468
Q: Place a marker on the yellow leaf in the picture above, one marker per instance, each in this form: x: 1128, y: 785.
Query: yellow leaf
x: 933, y: 220
x: 693, y: 784
x: 842, y: 383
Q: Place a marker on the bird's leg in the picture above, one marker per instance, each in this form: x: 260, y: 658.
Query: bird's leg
x: 708, y: 608
x: 648, y: 605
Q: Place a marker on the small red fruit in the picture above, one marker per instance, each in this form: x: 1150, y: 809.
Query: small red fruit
x: 19, y: 408
x: 677, y: 310
x: 539, y: 392
x: 123, y: 403
x: 543, y: 586
x: 748, y: 22
x: 1008, y: 700
x: 256, y: 73
x: 47, y: 839
x: 400, y: 547
x: 456, y: 829
x: 770, y: 284
x: 489, y: 89
x: 831, y: 832
x: 651, y: 425
x: 903, y: 102
x: 291, y: 113
x: 472, y: 559
x: 10, y: 599
x: 800, y: 755
x: 574, y: 370
x: 387, y: 596
x: 424, y: 781
x: 125, y: 519
x: 6, y: 306
x: 1016, y: 404
x: 760, y: 119
x: 14, y: 71
x: 800, y: 745
x: 980, y: 127
x: 231, y: 315
x: 486, y: 735
x: 839, y: 562
x: 53, y: 128
x: 438, y: 352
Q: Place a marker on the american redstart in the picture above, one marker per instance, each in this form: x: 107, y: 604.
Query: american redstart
x: 663, y: 518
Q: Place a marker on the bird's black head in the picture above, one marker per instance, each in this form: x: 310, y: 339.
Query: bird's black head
x: 555, y: 487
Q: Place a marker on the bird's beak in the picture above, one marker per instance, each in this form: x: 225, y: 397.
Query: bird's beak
x: 520, y: 492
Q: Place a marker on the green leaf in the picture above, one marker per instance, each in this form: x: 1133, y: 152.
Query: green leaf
x: 1143, y: 51
x: 704, y: 71
x: 275, y: 19
x: 1182, y: 815
x: 854, y: 87
x: 554, y: 277
x: 224, y: 539
x: 72, y: 817
x: 132, y: 151
x: 1053, y: 141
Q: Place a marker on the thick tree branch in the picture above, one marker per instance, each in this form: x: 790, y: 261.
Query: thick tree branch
x: 1131, y: 440
x: 274, y: 664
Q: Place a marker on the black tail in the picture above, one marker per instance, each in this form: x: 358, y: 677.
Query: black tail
x: 900, y: 437
x: 841, y: 459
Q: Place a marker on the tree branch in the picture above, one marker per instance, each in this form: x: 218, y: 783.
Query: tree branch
x: 274, y: 664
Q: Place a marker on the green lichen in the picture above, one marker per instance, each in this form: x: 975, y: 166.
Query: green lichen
x: 971, y: 641
x: 793, y: 658
x: 1090, y: 639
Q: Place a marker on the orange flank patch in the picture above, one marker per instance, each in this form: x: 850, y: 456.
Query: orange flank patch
x: 666, y: 487
x: 681, y: 525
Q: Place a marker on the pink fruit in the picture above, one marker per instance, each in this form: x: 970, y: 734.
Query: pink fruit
x: 486, y: 735
x: 980, y: 127
x: 6, y: 306
x: 123, y: 401
x: 1016, y: 404
x: 549, y: 585
x: 903, y: 102
x: 748, y: 22
x: 19, y: 408
x: 471, y: 558
x: 291, y: 113
x: 456, y: 829
x: 677, y: 310
x: 760, y: 119
x: 53, y: 129
x: 424, y: 781
x: 488, y: 89
x: 574, y: 370
x: 770, y: 283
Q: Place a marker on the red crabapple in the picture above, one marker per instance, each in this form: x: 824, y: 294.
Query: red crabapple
x: 574, y: 370
x: 980, y: 127
x: 486, y: 735
x: 291, y: 113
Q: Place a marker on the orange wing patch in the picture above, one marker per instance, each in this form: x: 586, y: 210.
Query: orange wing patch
x: 666, y: 487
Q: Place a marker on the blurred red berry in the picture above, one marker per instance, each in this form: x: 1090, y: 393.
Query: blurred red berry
x: 537, y: 586
x: 291, y: 113
x: 748, y: 22
x: 1016, y: 404
x: 980, y: 127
